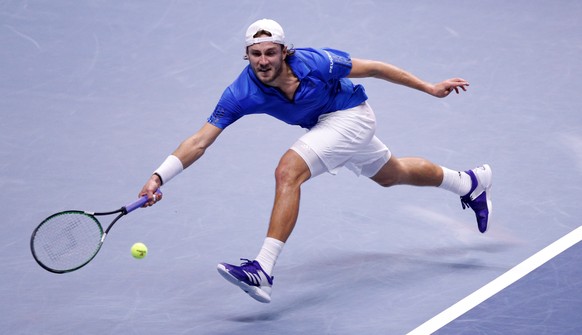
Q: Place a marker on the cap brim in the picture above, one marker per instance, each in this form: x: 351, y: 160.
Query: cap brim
x: 251, y: 41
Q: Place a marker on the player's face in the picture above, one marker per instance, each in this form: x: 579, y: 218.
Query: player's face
x: 266, y: 59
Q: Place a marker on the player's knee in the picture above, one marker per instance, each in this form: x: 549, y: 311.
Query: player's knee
x: 291, y: 172
x: 285, y: 174
x: 387, y: 181
x: 390, y: 174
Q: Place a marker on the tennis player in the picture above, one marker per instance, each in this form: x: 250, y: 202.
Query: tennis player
x: 311, y: 88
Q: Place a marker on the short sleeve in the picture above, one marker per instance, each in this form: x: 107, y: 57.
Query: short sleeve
x: 340, y: 63
x: 226, y: 112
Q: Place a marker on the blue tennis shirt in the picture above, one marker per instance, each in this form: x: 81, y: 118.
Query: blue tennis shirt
x: 323, y: 88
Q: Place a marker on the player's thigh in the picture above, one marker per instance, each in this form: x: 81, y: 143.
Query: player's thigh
x: 314, y: 163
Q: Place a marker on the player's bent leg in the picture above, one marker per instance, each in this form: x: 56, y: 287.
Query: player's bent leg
x: 290, y: 174
x: 250, y: 276
x: 409, y: 171
x: 421, y: 172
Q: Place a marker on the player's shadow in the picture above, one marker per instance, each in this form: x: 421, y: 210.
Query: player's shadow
x: 320, y: 280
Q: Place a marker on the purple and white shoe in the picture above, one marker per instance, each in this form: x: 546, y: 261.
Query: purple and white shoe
x: 479, y: 197
x: 250, y: 277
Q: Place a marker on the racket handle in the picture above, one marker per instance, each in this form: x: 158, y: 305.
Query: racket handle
x: 138, y: 203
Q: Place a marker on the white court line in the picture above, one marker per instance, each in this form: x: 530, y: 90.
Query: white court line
x: 499, y: 283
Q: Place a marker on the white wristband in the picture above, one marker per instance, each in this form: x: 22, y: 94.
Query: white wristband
x: 170, y: 168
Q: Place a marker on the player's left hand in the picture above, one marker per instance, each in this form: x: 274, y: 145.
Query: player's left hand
x: 446, y: 87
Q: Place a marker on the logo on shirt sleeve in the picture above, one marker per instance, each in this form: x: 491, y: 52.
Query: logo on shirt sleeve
x: 330, y: 61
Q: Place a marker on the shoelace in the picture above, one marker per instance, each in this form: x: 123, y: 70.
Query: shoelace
x: 465, y: 203
x: 247, y: 262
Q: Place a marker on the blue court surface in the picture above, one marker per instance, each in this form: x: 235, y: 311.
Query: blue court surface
x: 95, y: 94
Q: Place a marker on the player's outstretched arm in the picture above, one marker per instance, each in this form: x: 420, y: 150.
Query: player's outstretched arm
x: 363, y: 68
x: 194, y: 146
x: 189, y: 151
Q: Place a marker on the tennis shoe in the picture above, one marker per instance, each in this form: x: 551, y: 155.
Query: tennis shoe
x: 479, y: 197
x: 250, y: 277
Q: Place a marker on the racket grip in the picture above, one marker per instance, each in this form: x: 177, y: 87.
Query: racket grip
x: 138, y: 203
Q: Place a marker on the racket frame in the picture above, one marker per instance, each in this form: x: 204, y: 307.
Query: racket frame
x: 93, y: 215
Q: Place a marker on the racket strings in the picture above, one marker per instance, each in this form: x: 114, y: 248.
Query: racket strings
x: 67, y: 240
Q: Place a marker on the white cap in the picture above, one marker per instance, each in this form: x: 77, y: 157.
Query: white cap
x: 278, y: 36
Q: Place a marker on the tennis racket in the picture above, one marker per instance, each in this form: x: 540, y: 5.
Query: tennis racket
x: 68, y: 240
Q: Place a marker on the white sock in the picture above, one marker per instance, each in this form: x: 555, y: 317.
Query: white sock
x: 269, y: 253
x: 456, y: 182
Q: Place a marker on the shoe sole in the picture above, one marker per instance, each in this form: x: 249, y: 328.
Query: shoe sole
x: 253, y: 291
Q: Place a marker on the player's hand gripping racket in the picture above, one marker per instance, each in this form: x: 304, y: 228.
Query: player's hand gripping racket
x: 67, y: 241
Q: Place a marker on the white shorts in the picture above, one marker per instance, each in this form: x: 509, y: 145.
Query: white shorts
x: 344, y: 138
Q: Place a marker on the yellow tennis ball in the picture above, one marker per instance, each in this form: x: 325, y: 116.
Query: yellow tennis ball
x: 139, y: 250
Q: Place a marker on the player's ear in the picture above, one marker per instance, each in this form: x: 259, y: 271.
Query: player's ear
x: 284, y: 52
x: 246, y: 56
x: 287, y: 51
